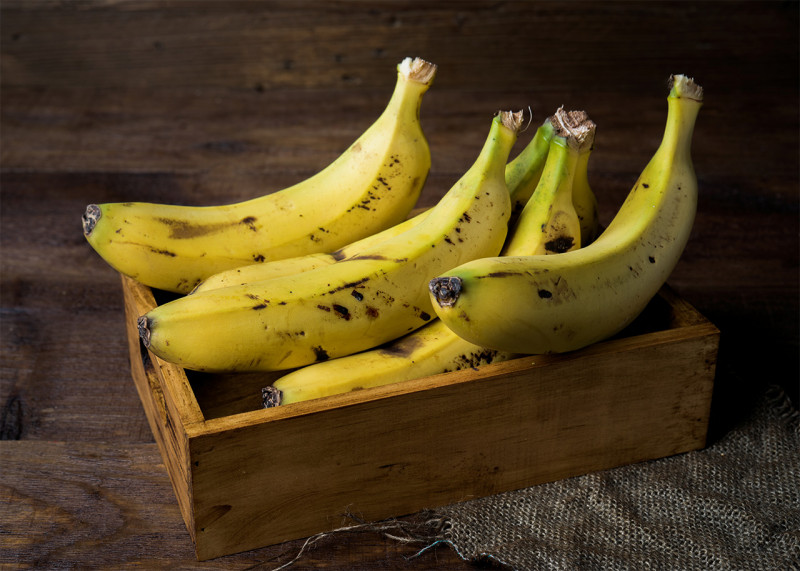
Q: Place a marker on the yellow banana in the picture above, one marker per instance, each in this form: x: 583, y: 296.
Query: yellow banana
x: 522, y: 175
x: 584, y: 199
x: 358, y: 303
x: 549, y: 223
x: 540, y: 304
x: 429, y: 350
x: 434, y: 348
x: 297, y: 264
x: 373, y: 185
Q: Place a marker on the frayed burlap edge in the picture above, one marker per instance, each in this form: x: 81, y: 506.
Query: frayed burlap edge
x: 429, y: 528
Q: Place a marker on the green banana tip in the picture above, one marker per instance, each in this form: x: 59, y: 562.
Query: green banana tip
x: 271, y: 397
x: 445, y: 290
x: 90, y: 218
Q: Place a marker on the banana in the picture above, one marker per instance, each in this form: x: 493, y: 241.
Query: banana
x: 358, y: 303
x: 434, y: 348
x: 541, y: 304
x: 373, y: 185
x: 522, y: 175
x: 584, y: 199
x: 297, y: 264
x: 549, y: 223
x: 429, y: 350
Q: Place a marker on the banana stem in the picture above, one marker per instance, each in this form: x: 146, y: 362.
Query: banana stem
x: 417, y: 69
x: 575, y: 127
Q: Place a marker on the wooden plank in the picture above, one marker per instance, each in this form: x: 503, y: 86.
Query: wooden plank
x: 167, y: 423
x: 91, y: 505
x: 294, y: 472
x: 289, y: 44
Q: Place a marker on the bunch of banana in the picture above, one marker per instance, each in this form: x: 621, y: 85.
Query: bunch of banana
x: 358, y: 303
x: 540, y: 304
x: 548, y: 218
x: 522, y: 175
x: 373, y: 185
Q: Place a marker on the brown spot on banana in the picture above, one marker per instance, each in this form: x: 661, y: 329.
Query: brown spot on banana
x: 183, y: 230
x: 559, y: 245
x: 342, y: 311
x: 349, y: 285
x: 163, y: 252
x: 403, y: 347
x: 320, y: 353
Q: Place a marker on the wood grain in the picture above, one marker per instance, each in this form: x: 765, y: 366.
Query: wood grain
x: 211, y: 101
x: 105, y: 506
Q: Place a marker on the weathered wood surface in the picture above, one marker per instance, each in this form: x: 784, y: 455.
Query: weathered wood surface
x: 209, y: 102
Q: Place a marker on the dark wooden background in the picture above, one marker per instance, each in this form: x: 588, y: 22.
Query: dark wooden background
x: 214, y: 101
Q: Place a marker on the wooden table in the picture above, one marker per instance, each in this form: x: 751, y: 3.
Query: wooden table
x: 212, y: 102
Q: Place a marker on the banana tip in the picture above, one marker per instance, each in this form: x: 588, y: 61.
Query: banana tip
x: 90, y: 218
x: 143, y: 323
x: 271, y: 397
x: 445, y: 290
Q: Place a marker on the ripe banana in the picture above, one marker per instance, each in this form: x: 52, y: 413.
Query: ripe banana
x: 549, y: 223
x: 358, y: 303
x: 584, y: 199
x: 540, y: 304
x: 434, y: 348
x: 522, y: 175
x: 373, y: 185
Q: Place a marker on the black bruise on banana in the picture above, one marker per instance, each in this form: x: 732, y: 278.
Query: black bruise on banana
x: 338, y: 255
x: 342, y: 311
x: 182, y: 230
x: 473, y: 360
x: 320, y: 354
x: 163, y: 252
x: 402, y: 347
x: 349, y: 285
x: 560, y: 244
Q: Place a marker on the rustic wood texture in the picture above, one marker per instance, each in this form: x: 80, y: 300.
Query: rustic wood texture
x: 209, y: 102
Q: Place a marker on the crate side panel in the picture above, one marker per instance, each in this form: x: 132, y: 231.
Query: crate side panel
x: 172, y: 444
x: 274, y: 481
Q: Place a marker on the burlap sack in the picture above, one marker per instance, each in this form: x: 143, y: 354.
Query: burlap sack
x: 732, y: 506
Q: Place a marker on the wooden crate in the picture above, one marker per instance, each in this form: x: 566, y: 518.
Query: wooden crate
x: 247, y: 477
